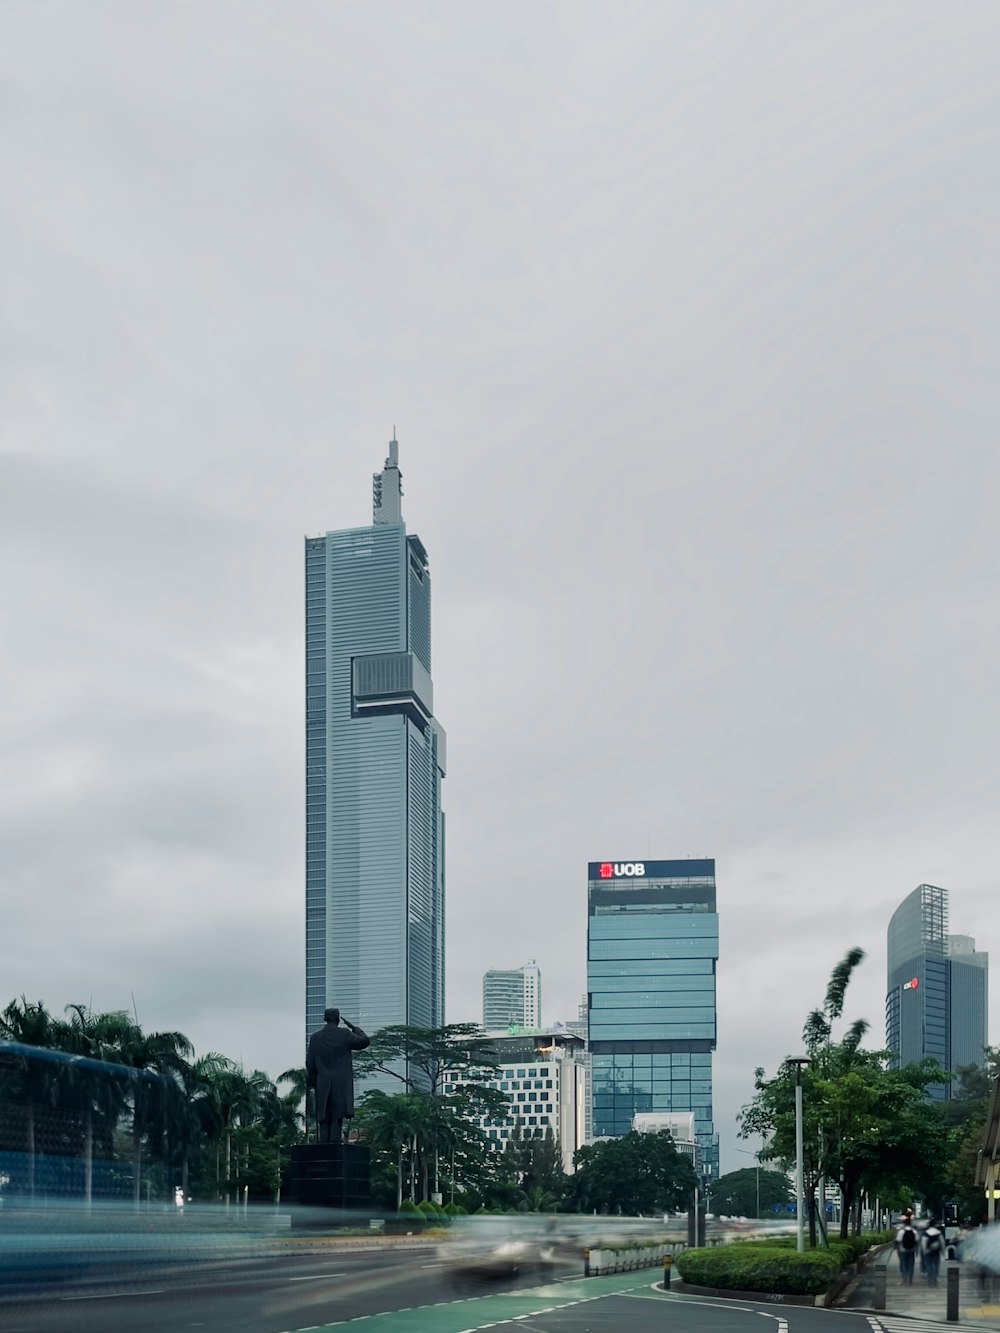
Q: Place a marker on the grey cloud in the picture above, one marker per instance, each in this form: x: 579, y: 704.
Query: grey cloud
x: 687, y: 320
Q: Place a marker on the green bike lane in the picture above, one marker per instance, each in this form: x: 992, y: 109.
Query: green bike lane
x: 476, y: 1312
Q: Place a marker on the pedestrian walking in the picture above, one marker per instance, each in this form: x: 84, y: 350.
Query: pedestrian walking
x: 906, y: 1248
x: 931, y: 1251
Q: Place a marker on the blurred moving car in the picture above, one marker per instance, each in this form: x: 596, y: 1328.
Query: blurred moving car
x: 490, y: 1249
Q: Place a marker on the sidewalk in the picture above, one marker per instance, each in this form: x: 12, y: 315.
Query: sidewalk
x: 920, y: 1301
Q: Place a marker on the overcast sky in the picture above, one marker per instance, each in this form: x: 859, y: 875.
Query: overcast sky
x: 687, y: 318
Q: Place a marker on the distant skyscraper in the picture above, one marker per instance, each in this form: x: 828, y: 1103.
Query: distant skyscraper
x: 652, y: 946
x: 375, y: 757
x: 936, y: 988
x: 513, y: 998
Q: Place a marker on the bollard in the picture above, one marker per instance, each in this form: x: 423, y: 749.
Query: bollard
x: 668, y: 1263
x: 952, y: 1315
x: 586, y: 1263
x: 878, y: 1300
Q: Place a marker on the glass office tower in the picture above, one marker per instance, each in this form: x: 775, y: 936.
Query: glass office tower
x: 375, y: 758
x: 936, y: 988
x: 652, y: 947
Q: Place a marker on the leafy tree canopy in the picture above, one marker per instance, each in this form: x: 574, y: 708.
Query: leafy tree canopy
x: 736, y: 1193
x: 421, y: 1058
x: 865, y: 1126
x: 638, y: 1174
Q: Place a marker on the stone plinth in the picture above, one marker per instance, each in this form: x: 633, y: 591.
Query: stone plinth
x: 336, y: 1175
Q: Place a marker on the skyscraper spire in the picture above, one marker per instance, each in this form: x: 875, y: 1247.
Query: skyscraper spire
x: 387, y: 488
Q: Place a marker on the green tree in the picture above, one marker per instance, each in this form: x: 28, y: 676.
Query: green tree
x: 446, y: 1074
x: 423, y: 1058
x: 736, y: 1193
x: 297, y: 1098
x: 34, y: 1082
x: 638, y: 1174
x: 866, y: 1127
x: 154, y: 1061
x: 98, y: 1083
x: 100, y: 1089
x: 391, y: 1125
x: 965, y: 1115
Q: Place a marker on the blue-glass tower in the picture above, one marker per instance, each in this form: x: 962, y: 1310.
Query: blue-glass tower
x: 936, y: 988
x: 652, y: 947
x: 375, y: 758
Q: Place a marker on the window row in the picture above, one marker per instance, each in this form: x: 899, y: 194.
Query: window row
x: 655, y: 1060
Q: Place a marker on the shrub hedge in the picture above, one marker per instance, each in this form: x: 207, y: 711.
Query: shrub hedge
x: 772, y: 1265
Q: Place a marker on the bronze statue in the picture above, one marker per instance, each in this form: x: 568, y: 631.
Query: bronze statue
x: 330, y: 1071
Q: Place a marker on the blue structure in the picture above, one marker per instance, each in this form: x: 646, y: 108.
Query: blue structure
x: 936, y: 988
x: 375, y: 757
x: 652, y: 947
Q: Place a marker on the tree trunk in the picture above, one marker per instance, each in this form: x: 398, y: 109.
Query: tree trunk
x: 413, y: 1170
x: 228, y: 1164
x: 399, y: 1177
x: 136, y: 1160
x: 809, y: 1192
x: 848, y: 1198
x: 31, y: 1150
x: 88, y: 1157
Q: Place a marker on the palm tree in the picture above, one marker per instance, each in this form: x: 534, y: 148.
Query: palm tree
x: 240, y: 1098
x: 94, y: 1039
x: 31, y: 1025
x: 155, y: 1060
x: 538, y: 1200
x: 297, y: 1097
x: 392, y: 1125
x: 200, y: 1118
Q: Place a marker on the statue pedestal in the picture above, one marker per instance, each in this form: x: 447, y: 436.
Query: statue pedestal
x: 336, y: 1175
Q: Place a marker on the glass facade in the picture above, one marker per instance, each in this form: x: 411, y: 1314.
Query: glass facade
x: 652, y: 947
x: 375, y: 758
x: 969, y: 1001
x: 936, y: 983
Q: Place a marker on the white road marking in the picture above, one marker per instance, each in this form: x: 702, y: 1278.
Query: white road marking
x: 896, y: 1323
x: 316, y: 1277
x: 115, y: 1295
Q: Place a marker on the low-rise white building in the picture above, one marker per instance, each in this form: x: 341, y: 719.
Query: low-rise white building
x: 678, y: 1124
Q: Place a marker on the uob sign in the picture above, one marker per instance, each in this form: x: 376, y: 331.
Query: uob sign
x: 622, y: 869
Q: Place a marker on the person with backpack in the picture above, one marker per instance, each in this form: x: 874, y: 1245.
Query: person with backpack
x: 906, y: 1248
x: 932, y: 1249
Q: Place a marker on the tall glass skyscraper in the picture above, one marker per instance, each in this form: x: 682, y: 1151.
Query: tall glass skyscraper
x: 652, y: 947
x: 936, y: 988
x: 375, y: 758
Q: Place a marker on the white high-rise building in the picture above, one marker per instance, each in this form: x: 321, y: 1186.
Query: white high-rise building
x: 513, y: 998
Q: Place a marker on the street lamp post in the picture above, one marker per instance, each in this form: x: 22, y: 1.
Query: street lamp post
x: 800, y: 1193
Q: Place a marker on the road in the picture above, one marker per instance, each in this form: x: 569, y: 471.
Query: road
x: 391, y: 1292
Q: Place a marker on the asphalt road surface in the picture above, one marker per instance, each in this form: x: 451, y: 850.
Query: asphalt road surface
x: 391, y: 1292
